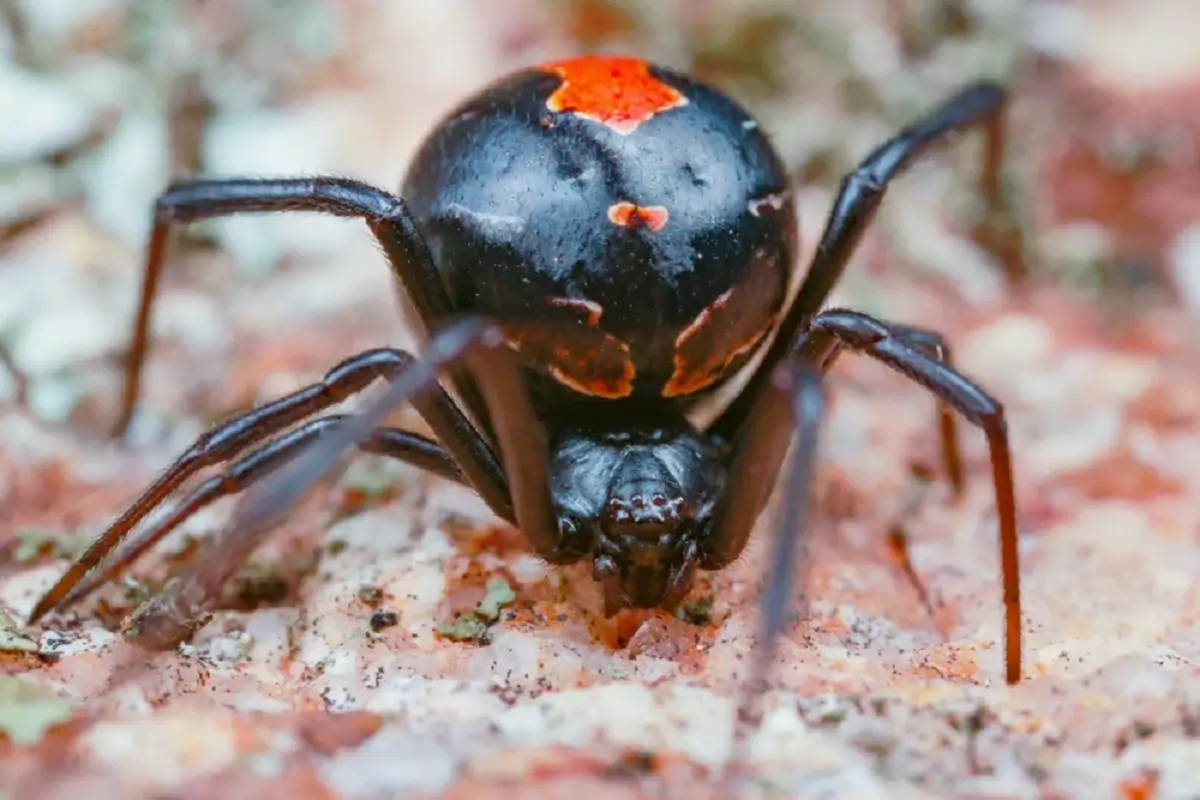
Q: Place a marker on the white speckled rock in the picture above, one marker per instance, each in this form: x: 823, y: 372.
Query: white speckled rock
x: 41, y: 114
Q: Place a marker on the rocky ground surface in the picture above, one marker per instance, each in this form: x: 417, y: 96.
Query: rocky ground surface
x: 337, y: 665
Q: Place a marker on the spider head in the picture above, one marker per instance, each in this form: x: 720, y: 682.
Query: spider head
x: 646, y: 551
x: 639, y: 499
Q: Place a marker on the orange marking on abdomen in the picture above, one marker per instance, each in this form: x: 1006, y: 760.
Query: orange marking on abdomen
x: 583, y: 359
x: 590, y: 372
x: 693, y: 375
x: 630, y: 215
x: 616, y: 91
x: 609, y: 388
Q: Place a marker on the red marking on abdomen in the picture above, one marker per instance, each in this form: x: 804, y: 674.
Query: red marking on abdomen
x: 630, y: 215
x: 697, y: 363
x: 610, y: 387
x: 616, y: 91
x: 586, y: 360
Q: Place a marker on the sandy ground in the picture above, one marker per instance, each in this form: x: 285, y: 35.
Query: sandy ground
x: 324, y: 674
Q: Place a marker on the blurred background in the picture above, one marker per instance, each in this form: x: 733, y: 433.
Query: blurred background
x: 103, y: 101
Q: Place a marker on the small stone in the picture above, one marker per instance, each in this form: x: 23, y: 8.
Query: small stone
x: 11, y: 640
x: 991, y: 352
x: 42, y: 115
x: 329, y: 734
x: 370, y: 595
x: 383, y: 619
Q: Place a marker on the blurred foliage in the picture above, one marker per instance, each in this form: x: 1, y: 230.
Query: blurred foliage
x: 810, y: 68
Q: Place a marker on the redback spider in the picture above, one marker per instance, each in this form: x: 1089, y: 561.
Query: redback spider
x: 595, y: 244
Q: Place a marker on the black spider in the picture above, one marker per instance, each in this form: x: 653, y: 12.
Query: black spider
x: 600, y: 242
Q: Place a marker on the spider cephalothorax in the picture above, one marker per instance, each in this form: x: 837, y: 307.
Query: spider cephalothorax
x: 643, y: 501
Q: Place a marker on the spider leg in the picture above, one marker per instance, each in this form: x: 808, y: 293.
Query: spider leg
x: 861, y: 192
x: 401, y: 445
x: 471, y: 452
x: 765, y: 434
x: 172, y: 615
x: 935, y: 346
x: 791, y: 406
x: 858, y: 331
x: 385, y: 214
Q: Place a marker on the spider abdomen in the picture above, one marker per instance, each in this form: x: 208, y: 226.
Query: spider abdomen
x: 630, y: 227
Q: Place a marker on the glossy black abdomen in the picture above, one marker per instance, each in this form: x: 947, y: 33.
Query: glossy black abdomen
x: 631, y: 228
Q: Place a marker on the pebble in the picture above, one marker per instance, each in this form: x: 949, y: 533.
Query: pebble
x: 50, y: 114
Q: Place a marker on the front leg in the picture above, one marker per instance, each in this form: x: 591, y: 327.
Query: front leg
x: 978, y: 105
x: 788, y: 415
x: 385, y: 214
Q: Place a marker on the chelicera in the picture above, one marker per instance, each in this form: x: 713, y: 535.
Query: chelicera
x: 594, y: 245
